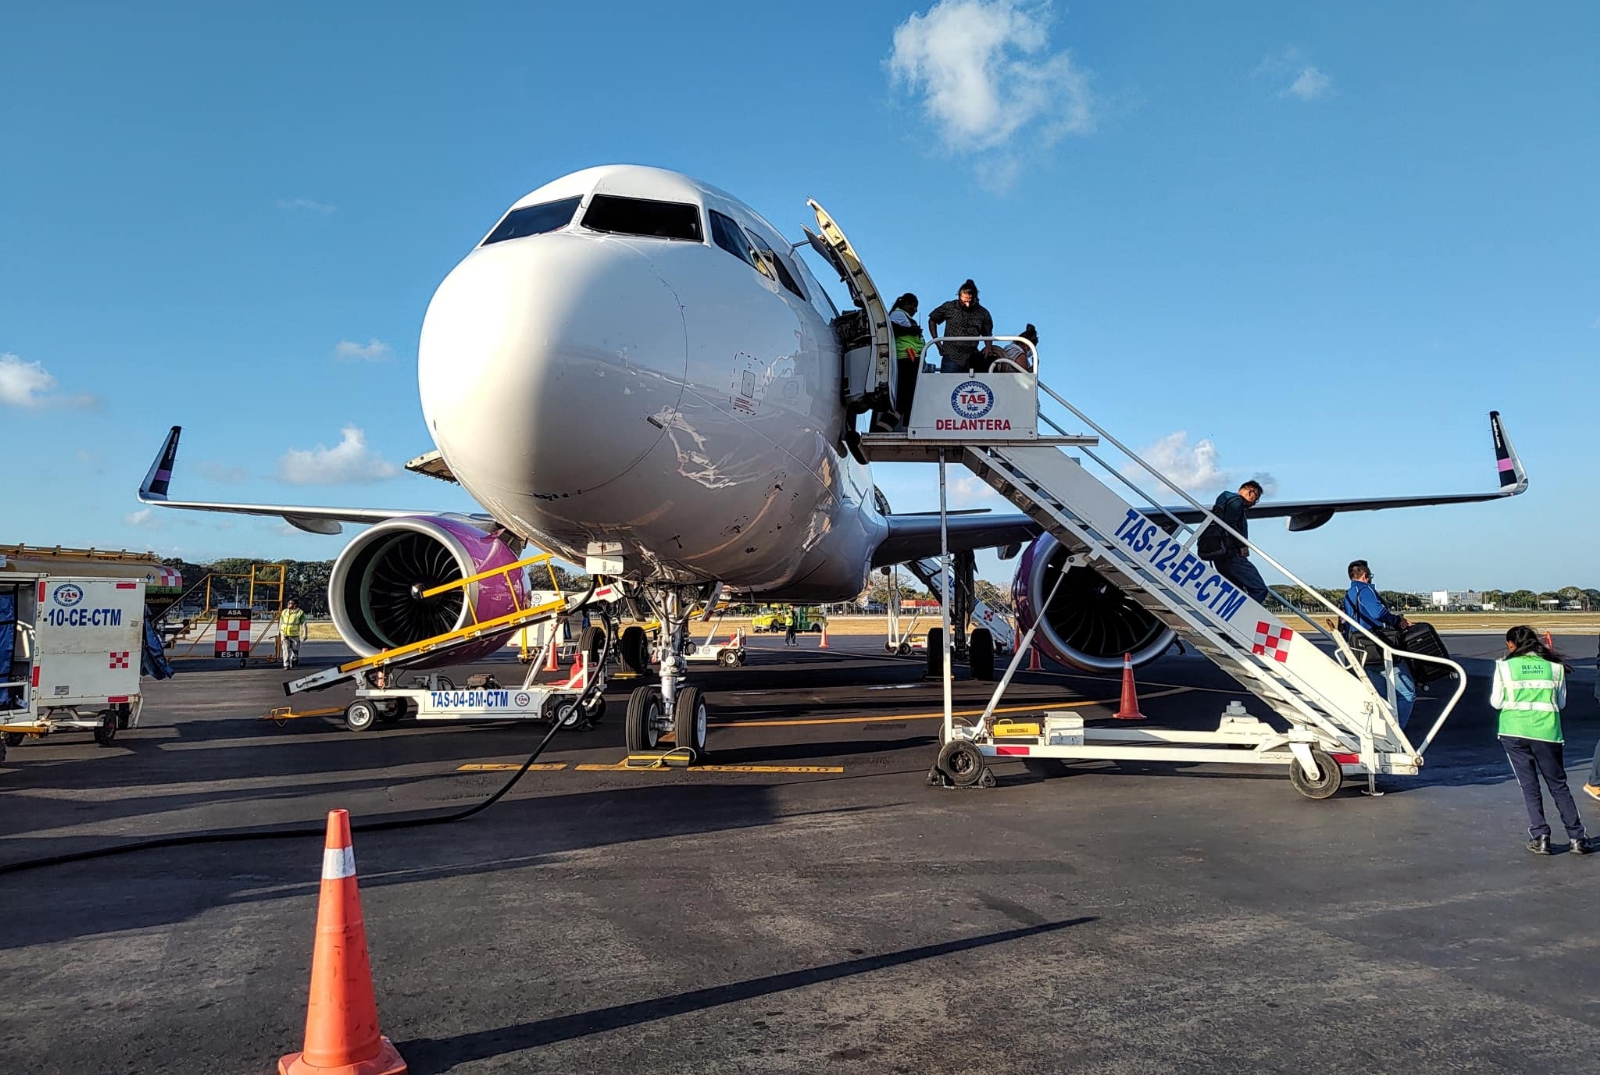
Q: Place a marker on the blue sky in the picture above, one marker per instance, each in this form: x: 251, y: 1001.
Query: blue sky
x: 1324, y: 240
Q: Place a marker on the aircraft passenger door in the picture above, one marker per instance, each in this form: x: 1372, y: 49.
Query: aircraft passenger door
x: 868, y: 348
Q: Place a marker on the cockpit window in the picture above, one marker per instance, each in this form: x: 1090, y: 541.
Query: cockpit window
x: 785, y: 277
x: 726, y: 234
x: 640, y: 216
x: 534, y: 220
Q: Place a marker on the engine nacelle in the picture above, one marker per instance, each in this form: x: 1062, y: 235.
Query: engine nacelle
x: 1091, y: 623
x: 375, y: 590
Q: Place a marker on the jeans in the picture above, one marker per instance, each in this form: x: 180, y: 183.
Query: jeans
x: 1594, y: 768
x: 1243, y: 574
x: 1405, y: 689
x: 1531, y: 759
x: 291, y: 651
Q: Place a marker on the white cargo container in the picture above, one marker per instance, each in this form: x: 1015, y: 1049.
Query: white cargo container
x: 76, y: 655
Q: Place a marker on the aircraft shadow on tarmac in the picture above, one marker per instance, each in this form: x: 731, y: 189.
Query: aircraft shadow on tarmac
x: 179, y: 883
x: 433, y: 1056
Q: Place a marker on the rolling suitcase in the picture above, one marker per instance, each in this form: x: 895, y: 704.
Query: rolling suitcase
x: 1422, y: 638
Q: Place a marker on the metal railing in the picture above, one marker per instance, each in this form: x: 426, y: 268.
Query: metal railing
x: 1033, y: 350
x: 1390, y: 653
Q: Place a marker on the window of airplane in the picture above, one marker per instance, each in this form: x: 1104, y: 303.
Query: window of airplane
x: 785, y: 277
x: 533, y: 220
x: 641, y: 216
x: 726, y: 234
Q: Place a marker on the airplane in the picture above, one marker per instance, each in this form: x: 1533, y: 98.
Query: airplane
x: 635, y: 370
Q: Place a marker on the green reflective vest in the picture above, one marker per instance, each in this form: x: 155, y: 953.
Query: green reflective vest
x: 1528, y: 691
x: 292, y: 622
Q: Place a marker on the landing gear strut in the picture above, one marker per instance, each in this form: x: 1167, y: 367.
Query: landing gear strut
x: 672, y: 707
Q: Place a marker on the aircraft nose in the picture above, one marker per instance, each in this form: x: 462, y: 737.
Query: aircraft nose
x: 542, y: 361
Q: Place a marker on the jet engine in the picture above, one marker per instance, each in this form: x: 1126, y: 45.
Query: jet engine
x: 375, y: 590
x: 1091, y: 623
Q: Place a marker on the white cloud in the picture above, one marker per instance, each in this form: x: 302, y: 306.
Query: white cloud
x: 971, y: 491
x: 346, y: 462
x: 374, y: 350
x: 1190, y: 466
x: 1307, y: 82
x: 1196, y: 468
x: 306, y: 204
x: 86, y: 456
x: 144, y: 517
x: 986, y: 77
x: 29, y: 384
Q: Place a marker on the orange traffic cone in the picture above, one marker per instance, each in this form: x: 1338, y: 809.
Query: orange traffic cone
x: 1549, y: 643
x: 1129, y: 709
x: 1033, y: 658
x: 342, y: 1017
x: 823, y: 643
x: 551, y: 662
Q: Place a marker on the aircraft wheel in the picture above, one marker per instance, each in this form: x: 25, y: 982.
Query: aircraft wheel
x: 1328, y: 779
x: 644, y: 713
x: 936, y: 651
x: 595, y: 709
x: 980, y: 655
x: 690, y: 719
x: 108, y: 728
x: 635, y: 657
x: 962, y: 763
x: 592, y: 642
x: 359, y: 715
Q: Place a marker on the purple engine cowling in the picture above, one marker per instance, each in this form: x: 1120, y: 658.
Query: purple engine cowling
x: 1091, y: 623
x: 375, y: 589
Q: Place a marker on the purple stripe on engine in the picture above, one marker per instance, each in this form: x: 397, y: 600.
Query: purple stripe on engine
x: 1505, y: 465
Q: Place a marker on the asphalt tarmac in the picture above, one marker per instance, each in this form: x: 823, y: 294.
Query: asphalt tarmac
x: 814, y: 905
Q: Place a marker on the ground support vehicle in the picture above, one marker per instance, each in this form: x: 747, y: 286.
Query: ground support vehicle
x: 70, y: 650
x: 729, y: 653
x: 435, y: 697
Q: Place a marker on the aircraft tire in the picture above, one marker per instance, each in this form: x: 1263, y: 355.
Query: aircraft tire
x: 690, y: 717
x: 935, y: 652
x: 639, y: 728
x: 980, y: 654
x: 632, y: 646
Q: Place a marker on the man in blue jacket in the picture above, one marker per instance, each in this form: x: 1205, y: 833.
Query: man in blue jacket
x: 1224, y: 551
x: 1363, y: 604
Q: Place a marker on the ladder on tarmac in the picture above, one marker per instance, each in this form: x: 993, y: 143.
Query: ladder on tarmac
x: 1339, y: 723
x: 435, y: 648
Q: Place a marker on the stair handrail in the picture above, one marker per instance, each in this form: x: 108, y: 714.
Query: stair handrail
x: 1389, y: 652
x: 1033, y: 350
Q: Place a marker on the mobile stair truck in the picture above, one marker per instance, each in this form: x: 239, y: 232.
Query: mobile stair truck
x: 1339, y: 724
x: 69, y: 655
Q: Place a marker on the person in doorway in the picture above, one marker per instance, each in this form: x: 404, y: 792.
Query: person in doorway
x: 1227, y: 553
x: 291, y: 629
x: 962, y: 316
x: 1530, y: 687
x: 1364, y: 605
x: 791, y: 623
x: 1017, y: 356
x: 908, y: 346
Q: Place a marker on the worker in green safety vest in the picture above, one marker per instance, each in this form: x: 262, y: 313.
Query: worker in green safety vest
x: 291, y: 629
x: 1530, y: 687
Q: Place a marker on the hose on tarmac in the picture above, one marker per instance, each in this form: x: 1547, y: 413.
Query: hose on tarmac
x: 198, y: 838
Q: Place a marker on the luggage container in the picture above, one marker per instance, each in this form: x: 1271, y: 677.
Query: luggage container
x: 71, y: 656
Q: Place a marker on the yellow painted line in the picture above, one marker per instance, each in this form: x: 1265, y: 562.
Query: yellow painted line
x: 623, y: 767
x: 882, y: 717
x: 505, y: 766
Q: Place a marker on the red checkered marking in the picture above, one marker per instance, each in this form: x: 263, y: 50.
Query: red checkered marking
x: 233, y: 637
x: 119, y: 660
x: 1272, y: 641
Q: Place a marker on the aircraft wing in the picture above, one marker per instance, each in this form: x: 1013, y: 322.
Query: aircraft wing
x: 914, y: 536
x: 315, y: 520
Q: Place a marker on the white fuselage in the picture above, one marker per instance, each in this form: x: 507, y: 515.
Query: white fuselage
x: 592, y: 386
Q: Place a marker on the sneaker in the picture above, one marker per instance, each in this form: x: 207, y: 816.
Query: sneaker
x: 1539, y: 845
x: 1582, y: 846
x: 1592, y: 791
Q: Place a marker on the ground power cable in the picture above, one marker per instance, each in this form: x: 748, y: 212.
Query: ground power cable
x: 197, y: 838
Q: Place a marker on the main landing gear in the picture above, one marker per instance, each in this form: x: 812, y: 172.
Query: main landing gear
x: 671, y: 707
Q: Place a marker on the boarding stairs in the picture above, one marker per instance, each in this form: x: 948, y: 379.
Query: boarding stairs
x: 378, y: 668
x: 1147, y: 551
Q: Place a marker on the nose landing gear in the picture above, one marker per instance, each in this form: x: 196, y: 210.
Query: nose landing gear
x: 671, y: 707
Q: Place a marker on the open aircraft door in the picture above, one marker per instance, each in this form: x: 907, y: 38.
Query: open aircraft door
x: 868, y: 382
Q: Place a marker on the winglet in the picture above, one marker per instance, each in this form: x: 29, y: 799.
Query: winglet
x: 1513, y: 479
x: 154, y: 486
